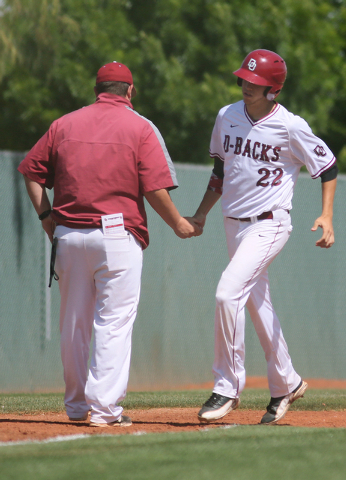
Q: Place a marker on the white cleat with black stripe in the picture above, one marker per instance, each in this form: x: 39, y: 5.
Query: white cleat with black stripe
x: 216, y: 407
x: 278, y: 407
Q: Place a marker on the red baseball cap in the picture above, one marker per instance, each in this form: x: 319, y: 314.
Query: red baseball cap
x: 115, y: 72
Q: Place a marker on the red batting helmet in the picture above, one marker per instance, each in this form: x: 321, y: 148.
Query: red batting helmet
x: 263, y: 67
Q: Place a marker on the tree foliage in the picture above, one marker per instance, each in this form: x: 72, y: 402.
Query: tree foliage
x: 182, y: 55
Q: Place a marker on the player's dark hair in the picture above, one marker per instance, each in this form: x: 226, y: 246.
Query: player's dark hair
x: 116, y: 88
x: 266, y: 90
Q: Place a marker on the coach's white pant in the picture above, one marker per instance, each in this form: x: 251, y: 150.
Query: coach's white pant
x: 99, y: 281
x: 251, y: 247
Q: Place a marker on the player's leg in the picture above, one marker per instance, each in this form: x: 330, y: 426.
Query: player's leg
x: 254, y: 246
x: 229, y: 329
x: 285, y: 384
x: 77, y: 292
x: 118, y: 287
x: 251, y: 247
x: 282, y: 378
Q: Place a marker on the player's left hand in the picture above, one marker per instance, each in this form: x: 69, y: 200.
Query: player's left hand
x: 327, y: 239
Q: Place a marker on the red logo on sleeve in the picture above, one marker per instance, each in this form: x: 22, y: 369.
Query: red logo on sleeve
x: 320, y: 151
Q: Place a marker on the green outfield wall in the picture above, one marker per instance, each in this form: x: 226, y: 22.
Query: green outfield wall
x: 173, y: 334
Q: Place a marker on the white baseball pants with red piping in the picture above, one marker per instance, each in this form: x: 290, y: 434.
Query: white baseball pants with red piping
x: 251, y: 247
x: 99, y: 282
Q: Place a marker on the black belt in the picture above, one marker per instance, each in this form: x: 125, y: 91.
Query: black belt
x: 263, y: 216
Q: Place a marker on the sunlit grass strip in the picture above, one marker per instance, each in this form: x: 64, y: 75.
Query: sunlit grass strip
x: 255, y: 399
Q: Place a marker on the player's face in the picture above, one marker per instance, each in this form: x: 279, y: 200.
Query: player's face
x: 253, y: 94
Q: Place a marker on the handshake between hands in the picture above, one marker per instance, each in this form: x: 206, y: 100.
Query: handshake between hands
x: 188, y: 227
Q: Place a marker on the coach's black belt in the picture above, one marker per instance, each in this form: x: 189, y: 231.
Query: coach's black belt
x: 263, y: 216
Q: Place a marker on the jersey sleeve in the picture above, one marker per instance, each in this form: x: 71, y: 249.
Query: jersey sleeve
x: 216, y: 147
x: 308, y: 149
x: 37, y: 163
x: 155, y: 167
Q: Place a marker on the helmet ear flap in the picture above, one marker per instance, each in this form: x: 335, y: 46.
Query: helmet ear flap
x: 270, y: 95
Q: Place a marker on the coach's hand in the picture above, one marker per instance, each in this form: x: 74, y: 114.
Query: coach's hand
x: 48, y: 225
x: 198, y: 229
x: 186, y: 228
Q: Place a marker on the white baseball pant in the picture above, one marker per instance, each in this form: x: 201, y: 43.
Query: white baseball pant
x: 99, y: 282
x: 251, y: 248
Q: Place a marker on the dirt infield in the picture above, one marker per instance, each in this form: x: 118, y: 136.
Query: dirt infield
x: 40, y: 427
x: 43, y: 426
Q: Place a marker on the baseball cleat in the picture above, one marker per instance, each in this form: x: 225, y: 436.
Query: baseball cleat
x: 278, y: 407
x: 123, y: 421
x: 216, y: 407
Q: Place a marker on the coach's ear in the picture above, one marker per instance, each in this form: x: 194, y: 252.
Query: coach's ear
x: 95, y: 91
x: 131, y: 92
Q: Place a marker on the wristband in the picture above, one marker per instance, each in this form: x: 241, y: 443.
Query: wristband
x: 44, y: 214
x: 215, y: 184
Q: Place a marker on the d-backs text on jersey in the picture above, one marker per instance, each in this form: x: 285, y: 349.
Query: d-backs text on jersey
x: 255, y: 150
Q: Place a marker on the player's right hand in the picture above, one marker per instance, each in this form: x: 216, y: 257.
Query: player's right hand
x: 199, y: 219
x: 187, y: 228
x: 198, y: 228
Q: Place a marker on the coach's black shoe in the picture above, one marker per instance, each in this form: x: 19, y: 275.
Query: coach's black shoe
x: 278, y: 407
x: 217, y: 406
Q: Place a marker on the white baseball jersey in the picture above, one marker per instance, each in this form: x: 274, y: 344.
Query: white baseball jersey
x: 262, y: 159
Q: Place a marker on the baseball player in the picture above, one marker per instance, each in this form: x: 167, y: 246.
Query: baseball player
x: 258, y: 149
x: 101, y: 160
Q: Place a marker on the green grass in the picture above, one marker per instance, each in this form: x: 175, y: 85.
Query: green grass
x: 237, y: 452
x: 27, y: 403
x: 256, y: 399
x: 242, y: 453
